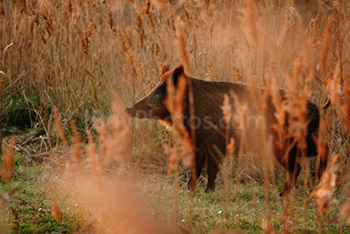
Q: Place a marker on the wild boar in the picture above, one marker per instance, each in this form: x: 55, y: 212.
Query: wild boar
x: 212, y: 133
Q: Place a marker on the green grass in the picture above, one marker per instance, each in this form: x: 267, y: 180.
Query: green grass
x: 28, y: 209
x: 247, y: 211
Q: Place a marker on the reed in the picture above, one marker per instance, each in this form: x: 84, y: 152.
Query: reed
x: 7, y: 158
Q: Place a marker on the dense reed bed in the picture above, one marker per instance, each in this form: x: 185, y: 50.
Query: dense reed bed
x: 73, y: 162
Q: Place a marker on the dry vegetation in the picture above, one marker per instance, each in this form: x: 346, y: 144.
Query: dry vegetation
x: 67, y: 66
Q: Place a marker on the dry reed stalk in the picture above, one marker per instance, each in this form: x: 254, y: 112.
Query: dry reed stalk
x: 127, y: 36
x: 345, y: 104
x: 59, y: 128
x: 179, y: 100
x: 236, y: 76
x: 266, y: 172
x: 186, y: 63
x: 285, y: 30
x: 297, y: 130
x: 227, y: 110
x: 210, y: 73
x: 101, y: 128
x: 149, y: 14
x: 48, y: 23
x: 110, y: 22
x: 269, y: 141
x: 280, y: 115
x: 345, y: 212
x: 304, y: 98
x: 175, y: 104
x: 325, y: 46
x: 230, y: 148
x: 2, y: 11
x: 173, y: 162
x: 319, y: 218
x: 340, y: 31
x: 91, y: 152
x: 306, y: 53
x: 122, y: 41
x: 296, y: 109
x: 226, y: 170
x: 150, y: 84
x: 31, y: 9
x: 42, y: 37
x: 10, y: 155
x: 261, y: 109
x: 91, y: 28
x: 298, y: 68
x: 4, y: 160
x: 55, y: 210
x: 170, y: 104
x: 325, y: 189
x: 119, y: 130
x: 306, y: 191
x: 85, y: 38
x: 159, y: 4
x: 186, y: 13
x: 238, y: 118
x: 321, y: 141
x: 2, y: 85
x: 286, y: 218
x: 7, y: 158
x: 334, y: 86
x: 76, y: 152
x: 134, y: 71
x: 68, y: 9
x: 139, y: 28
x: 314, y: 30
x: 342, y: 93
x: 249, y: 20
x: 147, y: 6
x: 176, y: 190
x: 181, y: 44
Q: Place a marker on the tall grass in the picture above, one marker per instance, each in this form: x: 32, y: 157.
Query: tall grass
x: 74, y: 55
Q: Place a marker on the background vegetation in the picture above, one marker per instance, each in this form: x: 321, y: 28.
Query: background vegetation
x: 90, y: 59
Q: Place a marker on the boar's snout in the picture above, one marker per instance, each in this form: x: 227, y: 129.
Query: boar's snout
x: 145, y: 109
x: 152, y: 105
x: 138, y: 112
x: 130, y: 111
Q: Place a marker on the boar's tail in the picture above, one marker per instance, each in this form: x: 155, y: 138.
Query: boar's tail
x: 327, y: 104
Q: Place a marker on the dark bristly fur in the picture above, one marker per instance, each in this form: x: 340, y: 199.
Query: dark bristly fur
x: 210, y: 145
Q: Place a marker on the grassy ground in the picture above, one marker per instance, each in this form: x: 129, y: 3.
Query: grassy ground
x: 27, y: 204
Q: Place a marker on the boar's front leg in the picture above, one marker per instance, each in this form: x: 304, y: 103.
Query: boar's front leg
x: 199, y: 163
x: 293, y: 167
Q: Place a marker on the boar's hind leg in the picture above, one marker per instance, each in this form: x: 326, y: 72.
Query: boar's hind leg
x: 212, y: 169
x: 200, y: 160
x: 293, y: 167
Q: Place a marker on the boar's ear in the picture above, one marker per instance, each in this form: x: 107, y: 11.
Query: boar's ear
x: 165, y: 68
x: 177, y: 73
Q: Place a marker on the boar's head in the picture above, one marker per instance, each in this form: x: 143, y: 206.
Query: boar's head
x: 152, y: 106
